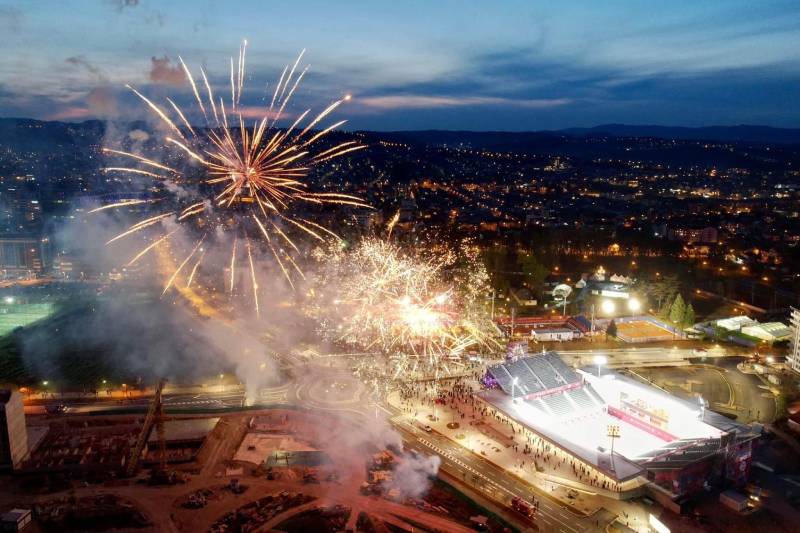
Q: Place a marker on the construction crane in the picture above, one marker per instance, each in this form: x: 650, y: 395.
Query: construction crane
x: 155, y: 415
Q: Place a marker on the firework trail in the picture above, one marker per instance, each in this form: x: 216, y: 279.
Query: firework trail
x: 245, y: 178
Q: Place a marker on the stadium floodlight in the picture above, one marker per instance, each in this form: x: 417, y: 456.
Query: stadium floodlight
x: 634, y: 305
x: 608, y: 307
x: 600, y: 360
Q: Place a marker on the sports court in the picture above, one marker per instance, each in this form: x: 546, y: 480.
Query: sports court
x: 643, y: 331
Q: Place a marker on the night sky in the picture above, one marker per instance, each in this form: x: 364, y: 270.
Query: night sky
x: 506, y: 65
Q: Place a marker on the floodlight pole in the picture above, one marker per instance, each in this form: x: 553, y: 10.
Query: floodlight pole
x: 613, y: 433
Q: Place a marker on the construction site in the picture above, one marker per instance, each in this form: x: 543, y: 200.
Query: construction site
x: 265, y: 469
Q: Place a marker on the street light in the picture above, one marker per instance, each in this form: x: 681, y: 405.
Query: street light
x: 600, y: 360
x: 608, y: 307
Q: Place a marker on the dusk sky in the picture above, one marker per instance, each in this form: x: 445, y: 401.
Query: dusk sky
x: 513, y: 65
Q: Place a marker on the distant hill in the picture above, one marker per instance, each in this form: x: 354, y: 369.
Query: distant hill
x: 508, y: 140
x: 25, y: 131
x: 743, y: 133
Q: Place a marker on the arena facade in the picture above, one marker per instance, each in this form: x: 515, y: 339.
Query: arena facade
x: 669, y: 445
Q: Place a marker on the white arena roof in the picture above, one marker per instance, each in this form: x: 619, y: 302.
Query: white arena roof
x: 654, y: 427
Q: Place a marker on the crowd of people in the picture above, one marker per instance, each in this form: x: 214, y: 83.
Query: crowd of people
x: 458, y: 395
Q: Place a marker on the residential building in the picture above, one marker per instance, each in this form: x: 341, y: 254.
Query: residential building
x: 793, y: 359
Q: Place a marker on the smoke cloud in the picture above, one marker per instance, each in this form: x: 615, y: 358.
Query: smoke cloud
x: 102, y: 102
x: 138, y: 135
x: 412, y: 477
x: 163, y: 72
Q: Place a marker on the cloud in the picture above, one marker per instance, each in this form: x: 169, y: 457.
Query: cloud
x: 430, y: 101
x: 10, y: 19
x: 102, y: 102
x: 163, y: 72
x: 259, y: 112
x: 70, y: 113
x: 122, y: 4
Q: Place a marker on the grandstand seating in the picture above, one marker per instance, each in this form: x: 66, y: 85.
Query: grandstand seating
x: 538, y: 373
x: 539, y: 404
x: 596, y: 397
x: 581, y: 323
x: 581, y: 398
x: 559, y: 405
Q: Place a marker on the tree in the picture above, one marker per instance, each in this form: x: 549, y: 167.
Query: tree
x: 534, y: 271
x: 611, y: 329
x: 688, y: 316
x: 677, y: 311
x: 662, y: 290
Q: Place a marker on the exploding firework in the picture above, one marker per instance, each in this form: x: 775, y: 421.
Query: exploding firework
x: 246, y: 183
x: 401, y: 306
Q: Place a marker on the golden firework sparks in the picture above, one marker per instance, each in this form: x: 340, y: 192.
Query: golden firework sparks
x: 237, y: 174
x: 400, y: 304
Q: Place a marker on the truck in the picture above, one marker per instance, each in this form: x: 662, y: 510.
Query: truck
x: 522, y: 507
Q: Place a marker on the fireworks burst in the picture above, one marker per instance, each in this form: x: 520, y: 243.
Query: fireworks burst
x: 246, y: 180
x: 400, y: 306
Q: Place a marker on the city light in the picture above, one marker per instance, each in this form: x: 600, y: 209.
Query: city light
x: 413, y: 289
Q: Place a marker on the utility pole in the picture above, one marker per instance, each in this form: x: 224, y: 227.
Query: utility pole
x: 513, y: 319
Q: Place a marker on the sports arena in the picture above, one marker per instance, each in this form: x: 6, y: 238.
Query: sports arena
x: 657, y: 439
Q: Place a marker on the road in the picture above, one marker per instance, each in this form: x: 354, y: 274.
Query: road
x: 720, y: 383
x: 643, y: 356
x: 487, y: 477
x: 173, y: 401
